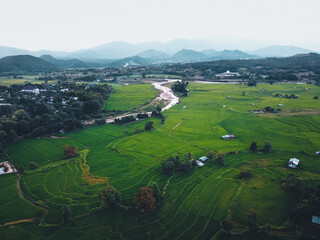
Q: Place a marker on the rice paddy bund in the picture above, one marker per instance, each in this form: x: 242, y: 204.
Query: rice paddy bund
x: 194, y: 203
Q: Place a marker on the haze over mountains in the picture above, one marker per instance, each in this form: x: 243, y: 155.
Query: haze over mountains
x: 116, y: 54
x: 119, y: 50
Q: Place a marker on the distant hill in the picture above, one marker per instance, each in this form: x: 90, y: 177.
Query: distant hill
x: 154, y: 55
x: 158, y: 50
x: 186, y: 55
x: 26, y: 63
x: 209, y: 52
x: 308, y: 61
x: 231, y: 54
x: 130, y: 61
x: 279, y: 51
x: 70, y: 63
x: 10, y: 51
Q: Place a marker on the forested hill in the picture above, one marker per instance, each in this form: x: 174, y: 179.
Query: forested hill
x: 70, y: 63
x: 308, y: 61
x: 26, y: 63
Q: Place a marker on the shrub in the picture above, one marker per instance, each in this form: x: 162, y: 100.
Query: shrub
x: 144, y: 200
x: 253, y: 146
x: 245, y: 174
x: 33, y: 165
x: 110, y: 197
x: 70, y: 151
x: 267, y: 147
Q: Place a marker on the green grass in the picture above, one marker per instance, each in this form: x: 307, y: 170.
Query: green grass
x: 12, y: 206
x: 194, y: 203
x: 7, y: 81
x: 126, y: 97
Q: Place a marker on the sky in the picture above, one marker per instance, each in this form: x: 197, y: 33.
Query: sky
x: 67, y: 25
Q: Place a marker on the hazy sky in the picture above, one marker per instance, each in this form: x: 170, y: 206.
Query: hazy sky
x: 75, y: 24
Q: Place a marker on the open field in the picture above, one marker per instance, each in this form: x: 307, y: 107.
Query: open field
x: 194, y: 203
x: 7, y: 81
x: 127, y: 97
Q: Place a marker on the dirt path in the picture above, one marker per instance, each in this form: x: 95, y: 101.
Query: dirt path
x: 18, y: 221
x: 21, y: 194
x: 174, y: 128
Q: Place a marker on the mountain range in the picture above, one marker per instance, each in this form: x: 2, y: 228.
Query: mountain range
x: 29, y: 64
x: 158, y: 50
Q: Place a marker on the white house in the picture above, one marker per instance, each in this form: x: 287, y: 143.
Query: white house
x: 199, y: 163
x: 231, y: 136
x: 203, y: 158
x: 293, y: 162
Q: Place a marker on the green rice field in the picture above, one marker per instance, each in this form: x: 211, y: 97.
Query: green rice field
x: 194, y: 203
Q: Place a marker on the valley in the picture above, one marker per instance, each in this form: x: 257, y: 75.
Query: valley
x: 195, y: 202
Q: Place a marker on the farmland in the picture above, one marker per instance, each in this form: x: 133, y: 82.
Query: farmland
x: 194, y: 203
x: 127, y: 97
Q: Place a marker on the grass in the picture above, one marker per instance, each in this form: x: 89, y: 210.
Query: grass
x: 7, y: 81
x: 127, y: 97
x: 12, y: 206
x: 194, y: 203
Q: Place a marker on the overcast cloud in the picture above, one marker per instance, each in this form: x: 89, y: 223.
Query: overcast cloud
x: 75, y: 24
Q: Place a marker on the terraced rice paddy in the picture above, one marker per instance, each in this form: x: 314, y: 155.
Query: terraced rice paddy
x: 194, y: 203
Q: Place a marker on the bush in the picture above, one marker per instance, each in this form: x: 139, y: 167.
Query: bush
x: 245, y: 174
x: 33, y: 165
x: 220, y: 159
x: 149, y: 126
x: 41, y: 212
x: 100, y: 121
x: 267, y: 147
x: 70, y: 151
x: 110, y: 197
x: 144, y: 200
x: 253, y: 146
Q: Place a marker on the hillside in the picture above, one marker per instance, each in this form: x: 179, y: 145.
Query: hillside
x: 186, y: 55
x: 130, y: 61
x: 26, y: 63
x: 70, y: 63
x: 280, y: 51
x: 153, y: 54
x: 231, y: 55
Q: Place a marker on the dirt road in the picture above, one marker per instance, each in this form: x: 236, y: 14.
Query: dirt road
x: 167, y: 95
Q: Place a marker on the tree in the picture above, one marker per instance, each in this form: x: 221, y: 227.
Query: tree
x: 41, y: 212
x: 33, y: 165
x: 253, y: 146
x: 144, y: 200
x: 90, y: 107
x: 252, y: 83
x: 252, y: 222
x: 210, y: 154
x: 228, y: 226
x: 267, y: 147
x: 220, y: 159
x: 167, y: 167
x: 245, y: 174
x: 110, y: 197
x: 66, y: 214
x: 289, y: 182
x: 149, y: 126
x: 70, y: 151
x: 157, y: 194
